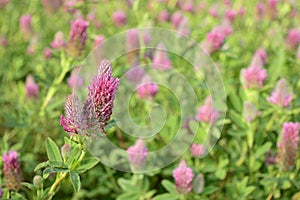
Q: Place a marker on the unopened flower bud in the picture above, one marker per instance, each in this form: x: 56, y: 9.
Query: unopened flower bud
x: 198, y: 183
x: 32, y: 89
x: 38, y: 181
x: 65, y: 151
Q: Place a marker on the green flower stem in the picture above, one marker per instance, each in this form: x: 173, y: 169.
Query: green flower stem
x: 55, y: 185
x: 66, y: 65
x: 61, y: 177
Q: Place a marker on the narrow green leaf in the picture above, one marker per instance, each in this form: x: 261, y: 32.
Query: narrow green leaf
x: 126, y: 185
x: 86, y: 164
x: 238, y: 120
x: 75, y: 179
x: 41, y: 165
x: 169, y: 186
x: 129, y: 196
x: 209, y: 190
x: 235, y: 101
x: 172, y: 196
x: 75, y: 153
x: 29, y: 185
x: 58, y: 164
x: 16, y: 196
x: 53, y: 151
x: 54, y: 170
x: 263, y: 149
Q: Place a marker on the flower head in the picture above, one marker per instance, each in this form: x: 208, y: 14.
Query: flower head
x: 160, y: 59
x: 288, y: 146
x: 188, y: 6
x: 77, y: 36
x: 183, y: 176
x: 224, y: 29
x: 207, y: 113
x: 249, y: 111
x: 137, y: 153
x: 214, y: 41
x: 184, y: 27
x: 26, y: 27
x: 12, y: 171
x: 3, y: 41
x: 59, y: 41
x: 132, y: 44
x: 75, y: 80
x: 32, y: 89
x: 147, y: 89
x: 293, y: 38
x: 176, y: 18
x: 47, y: 53
x: 231, y: 15
x: 136, y: 73
x: 260, y: 9
x: 51, y: 6
x: 197, y: 150
x: 101, y: 94
x: 98, y: 40
x: 163, y: 16
x: 71, y: 123
x: 262, y: 55
x: 2, y: 4
x: 280, y: 95
x: 119, y: 18
x: 255, y: 75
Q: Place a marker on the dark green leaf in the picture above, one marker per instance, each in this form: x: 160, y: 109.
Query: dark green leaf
x: 172, y: 196
x: 238, y: 120
x: 126, y: 185
x: 86, y: 164
x: 29, y: 185
x: 53, y: 151
x: 58, y: 164
x: 41, y: 165
x: 209, y: 190
x: 54, y: 170
x: 235, y: 101
x: 75, y: 179
x: 169, y: 186
x: 129, y: 196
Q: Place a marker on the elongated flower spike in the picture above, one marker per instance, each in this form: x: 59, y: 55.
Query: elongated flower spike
x: 281, y: 96
x: 288, y: 145
x: 59, y: 41
x: 197, y: 150
x: 71, y: 123
x: 208, y: 113
x: 32, y: 89
x: 101, y: 94
x: 183, y: 176
x: 26, y: 27
x: 77, y: 37
x: 255, y: 75
x: 119, y: 18
x: 137, y: 153
x: 12, y: 171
